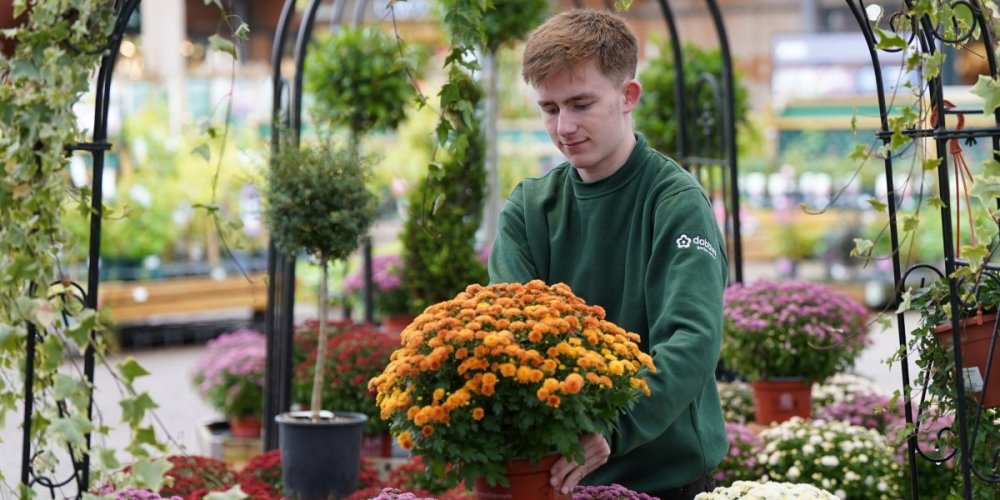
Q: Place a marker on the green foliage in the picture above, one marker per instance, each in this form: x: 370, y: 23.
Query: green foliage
x: 316, y: 201
x: 359, y: 80
x: 446, y: 208
x: 657, y: 114
x: 510, y: 20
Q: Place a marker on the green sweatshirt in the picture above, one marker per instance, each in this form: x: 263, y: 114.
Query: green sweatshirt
x: 644, y: 244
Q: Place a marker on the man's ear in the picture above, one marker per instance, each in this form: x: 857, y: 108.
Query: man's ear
x: 633, y: 90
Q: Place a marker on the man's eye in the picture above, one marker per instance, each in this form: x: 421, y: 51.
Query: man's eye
x: 581, y: 107
x: 550, y: 110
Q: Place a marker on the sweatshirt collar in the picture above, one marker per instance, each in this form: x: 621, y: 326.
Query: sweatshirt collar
x: 640, y: 152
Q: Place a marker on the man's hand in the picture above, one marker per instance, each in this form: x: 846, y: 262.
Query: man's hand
x: 565, y: 475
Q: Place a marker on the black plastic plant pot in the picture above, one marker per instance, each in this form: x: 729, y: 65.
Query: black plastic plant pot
x: 320, y: 460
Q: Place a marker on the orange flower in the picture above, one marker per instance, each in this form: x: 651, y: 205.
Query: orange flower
x: 572, y: 385
x: 553, y: 401
x: 427, y: 431
x: 478, y: 413
x: 507, y: 369
x: 405, y: 440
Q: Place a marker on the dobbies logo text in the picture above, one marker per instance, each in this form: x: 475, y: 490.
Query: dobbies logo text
x: 685, y: 241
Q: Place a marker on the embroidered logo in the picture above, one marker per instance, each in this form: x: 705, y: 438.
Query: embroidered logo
x: 685, y: 241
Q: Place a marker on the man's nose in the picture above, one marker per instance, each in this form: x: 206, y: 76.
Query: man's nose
x: 567, y: 124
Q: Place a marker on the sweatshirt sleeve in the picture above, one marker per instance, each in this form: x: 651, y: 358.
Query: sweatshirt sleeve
x: 510, y: 258
x: 684, y: 282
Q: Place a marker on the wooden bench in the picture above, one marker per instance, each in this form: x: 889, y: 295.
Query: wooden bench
x: 138, y: 301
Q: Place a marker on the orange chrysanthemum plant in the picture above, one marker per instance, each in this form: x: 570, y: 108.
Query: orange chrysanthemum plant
x: 507, y: 371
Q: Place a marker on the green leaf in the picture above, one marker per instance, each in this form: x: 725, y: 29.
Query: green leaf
x: 854, y: 121
x: 932, y: 64
x: 242, y: 31
x: 150, y: 473
x: 203, y: 151
x: 72, y: 389
x: 862, y: 247
x: 905, y: 299
x: 991, y: 168
x: 130, y: 370
x: 622, y: 5
x: 931, y: 163
x: 910, y: 223
x: 223, y: 45
x: 877, y: 205
x: 935, y: 202
x: 71, y: 429
x: 975, y: 254
x: 986, y: 188
x: 989, y: 90
x: 134, y: 409
x: 105, y: 459
x: 859, y: 152
x: 888, y: 40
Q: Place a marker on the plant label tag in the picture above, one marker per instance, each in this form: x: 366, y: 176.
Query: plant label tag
x: 973, y: 379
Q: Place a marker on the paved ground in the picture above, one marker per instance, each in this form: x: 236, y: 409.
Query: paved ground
x: 181, y: 409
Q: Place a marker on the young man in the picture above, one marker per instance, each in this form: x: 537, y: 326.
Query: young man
x: 626, y: 228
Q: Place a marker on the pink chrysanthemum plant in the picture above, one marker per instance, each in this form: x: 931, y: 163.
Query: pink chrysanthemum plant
x: 390, y: 295
x: 230, y: 373
x: 775, y: 329
x: 507, y: 371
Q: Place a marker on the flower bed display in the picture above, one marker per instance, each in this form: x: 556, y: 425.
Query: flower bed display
x: 740, y: 463
x: 749, y: 490
x: 230, y: 375
x: 737, y: 401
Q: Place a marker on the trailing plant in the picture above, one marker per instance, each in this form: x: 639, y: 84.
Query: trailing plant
x: 446, y: 207
x: 316, y: 201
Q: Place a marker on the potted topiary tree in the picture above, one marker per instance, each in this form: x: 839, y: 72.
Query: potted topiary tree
x: 317, y: 202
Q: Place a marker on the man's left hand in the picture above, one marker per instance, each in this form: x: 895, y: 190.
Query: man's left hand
x: 566, y: 473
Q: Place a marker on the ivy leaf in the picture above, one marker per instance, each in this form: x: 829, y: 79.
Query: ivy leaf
x: 991, y: 168
x: 989, y: 90
x: 130, y: 369
x: 622, y: 5
x: 45, y: 313
x: 986, y: 188
x: 150, y: 473
x: 105, y: 459
x: 931, y: 163
x: 932, y: 64
x: 72, y: 389
x: 71, y: 429
x: 203, y: 151
x: 877, y: 205
x: 910, y: 223
x: 888, y: 40
x: 859, y: 152
x: 862, y: 247
x: 134, y: 409
x: 223, y: 45
x: 935, y: 202
x: 854, y: 121
x: 905, y: 301
x: 976, y: 254
x: 242, y: 31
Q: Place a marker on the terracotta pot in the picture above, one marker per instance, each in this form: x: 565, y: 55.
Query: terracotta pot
x: 527, y: 481
x: 778, y: 400
x: 379, y: 446
x: 976, y: 335
x: 8, y: 21
x: 396, y: 323
x: 245, y: 427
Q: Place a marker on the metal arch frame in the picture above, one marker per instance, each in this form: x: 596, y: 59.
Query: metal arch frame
x: 97, y: 147
x: 287, y: 116
x: 927, y: 37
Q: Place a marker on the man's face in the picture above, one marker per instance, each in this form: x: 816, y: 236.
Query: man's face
x: 587, y: 116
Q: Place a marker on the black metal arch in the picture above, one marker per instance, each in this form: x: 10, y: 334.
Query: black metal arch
x: 716, y: 169
x: 97, y: 147
x: 929, y: 39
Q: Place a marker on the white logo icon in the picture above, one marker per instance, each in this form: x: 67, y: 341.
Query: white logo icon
x: 683, y: 241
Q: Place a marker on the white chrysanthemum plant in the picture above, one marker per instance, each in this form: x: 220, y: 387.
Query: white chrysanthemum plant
x: 848, y: 460
x: 842, y: 388
x: 751, y: 490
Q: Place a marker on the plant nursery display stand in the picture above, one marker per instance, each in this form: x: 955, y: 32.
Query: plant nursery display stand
x: 931, y: 131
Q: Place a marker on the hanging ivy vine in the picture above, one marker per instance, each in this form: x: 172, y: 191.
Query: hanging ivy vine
x: 59, y: 45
